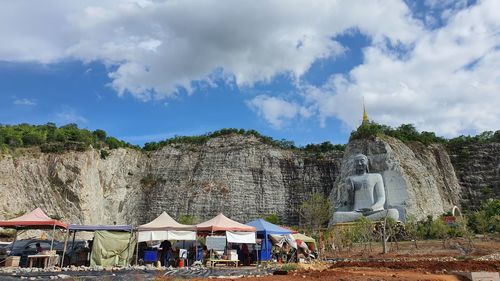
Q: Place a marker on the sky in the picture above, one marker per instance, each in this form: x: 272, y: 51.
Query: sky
x: 291, y: 69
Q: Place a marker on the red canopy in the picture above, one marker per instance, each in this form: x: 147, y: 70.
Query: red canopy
x: 222, y: 223
x: 35, y: 219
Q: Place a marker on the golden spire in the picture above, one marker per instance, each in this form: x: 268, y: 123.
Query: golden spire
x: 365, y: 115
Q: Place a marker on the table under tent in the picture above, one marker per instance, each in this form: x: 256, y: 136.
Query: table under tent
x: 264, y: 229
x: 36, y: 219
x: 163, y: 228
x: 112, y: 245
x: 220, y: 231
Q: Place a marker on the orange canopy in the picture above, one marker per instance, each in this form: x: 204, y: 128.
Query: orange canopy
x: 222, y: 223
x: 36, y: 219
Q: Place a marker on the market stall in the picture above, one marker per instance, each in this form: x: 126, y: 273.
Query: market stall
x: 163, y: 228
x: 221, y: 229
x: 112, y: 244
x: 36, y: 219
x: 264, y: 229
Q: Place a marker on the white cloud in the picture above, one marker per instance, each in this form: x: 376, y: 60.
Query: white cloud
x: 277, y: 111
x: 25, y: 101
x: 449, y: 83
x: 158, y: 46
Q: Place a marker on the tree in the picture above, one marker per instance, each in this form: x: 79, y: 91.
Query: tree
x: 315, y: 212
x: 273, y: 218
x: 33, y: 138
x: 188, y: 219
x: 481, y: 222
x: 100, y: 134
x: 364, y: 228
x: 464, y: 230
x: 113, y: 142
x: 411, y: 229
x: 440, y: 230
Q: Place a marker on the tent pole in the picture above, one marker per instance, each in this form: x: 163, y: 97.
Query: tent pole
x: 53, y: 234
x: 137, y: 249
x: 72, y: 247
x: 128, y: 248
x: 64, y: 250
x: 15, y: 239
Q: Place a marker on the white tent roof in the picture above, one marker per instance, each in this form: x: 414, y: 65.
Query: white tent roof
x: 165, y: 222
x: 223, y: 223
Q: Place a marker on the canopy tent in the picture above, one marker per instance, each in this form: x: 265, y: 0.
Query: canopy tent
x: 265, y: 228
x: 94, y: 228
x: 164, y: 227
x: 36, y: 219
x: 304, y: 238
x: 222, y: 223
x: 235, y: 232
x: 111, y: 248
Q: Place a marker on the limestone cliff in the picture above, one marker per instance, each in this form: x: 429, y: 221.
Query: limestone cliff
x: 237, y: 175
x: 419, y: 180
x: 79, y: 186
x: 478, y: 169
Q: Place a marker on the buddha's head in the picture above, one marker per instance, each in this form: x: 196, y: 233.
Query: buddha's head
x: 361, y: 164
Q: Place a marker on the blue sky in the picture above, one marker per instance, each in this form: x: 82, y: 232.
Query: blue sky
x: 148, y: 70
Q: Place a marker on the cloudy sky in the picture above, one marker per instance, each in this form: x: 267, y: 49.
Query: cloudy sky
x: 295, y: 69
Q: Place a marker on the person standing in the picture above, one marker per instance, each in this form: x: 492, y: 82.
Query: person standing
x: 166, y: 250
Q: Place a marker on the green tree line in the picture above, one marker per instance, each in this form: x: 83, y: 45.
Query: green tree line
x: 282, y: 143
x: 408, y: 132
x: 51, y: 138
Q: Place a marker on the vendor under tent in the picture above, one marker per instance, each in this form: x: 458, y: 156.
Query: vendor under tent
x: 264, y: 229
x: 235, y: 232
x: 36, y: 219
x: 164, y: 227
x: 112, y: 244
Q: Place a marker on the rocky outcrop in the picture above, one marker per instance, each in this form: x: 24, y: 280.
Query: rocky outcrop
x: 237, y: 175
x: 419, y: 180
x: 477, y: 166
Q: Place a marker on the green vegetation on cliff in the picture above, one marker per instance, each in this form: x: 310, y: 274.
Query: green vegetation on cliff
x: 408, y: 132
x: 284, y: 144
x: 405, y: 133
x: 51, y: 138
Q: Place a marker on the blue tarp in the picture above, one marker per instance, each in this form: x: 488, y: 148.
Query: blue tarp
x: 265, y: 228
x: 80, y: 227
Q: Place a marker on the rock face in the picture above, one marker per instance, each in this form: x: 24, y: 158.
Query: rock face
x: 237, y: 175
x: 419, y: 180
x: 79, y: 186
x: 478, y: 170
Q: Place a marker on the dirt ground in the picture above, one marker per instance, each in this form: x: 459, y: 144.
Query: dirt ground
x: 430, y: 261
